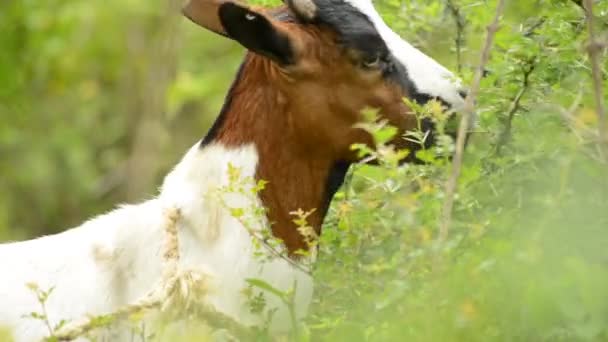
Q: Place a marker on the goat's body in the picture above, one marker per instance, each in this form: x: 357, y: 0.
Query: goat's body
x: 116, y: 258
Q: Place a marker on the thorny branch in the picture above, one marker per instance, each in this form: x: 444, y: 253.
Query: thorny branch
x: 515, y: 104
x: 594, y: 49
x: 451, y: 184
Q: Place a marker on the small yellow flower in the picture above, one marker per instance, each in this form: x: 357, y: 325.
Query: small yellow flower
x: 477, y: 230
x: 344, y: 208
x: 436, y: 109
x: 468, y: 309
x: 424, y: 235
x: 586, y: 117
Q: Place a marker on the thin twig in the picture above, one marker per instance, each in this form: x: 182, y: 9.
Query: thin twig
x: 460, y: 24
x: 451, y: 184
x: 594, y: 50
x: 585, y: 135
x: 531, y: 31
x: 255, y: 234
x: 274, y: 251
x: 583, y: 5
x: 516, y: 105
x: 45, y: 314
x: 579, y: 3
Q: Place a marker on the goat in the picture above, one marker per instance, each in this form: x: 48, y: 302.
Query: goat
x: 289, y: 119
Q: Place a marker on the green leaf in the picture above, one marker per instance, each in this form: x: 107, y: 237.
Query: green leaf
x: 261, y: 284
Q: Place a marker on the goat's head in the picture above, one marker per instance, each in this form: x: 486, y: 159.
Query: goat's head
x: 330, y: 59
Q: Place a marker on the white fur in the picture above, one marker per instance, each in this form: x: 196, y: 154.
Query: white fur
x: 115, y: 259
x: 428, y: 76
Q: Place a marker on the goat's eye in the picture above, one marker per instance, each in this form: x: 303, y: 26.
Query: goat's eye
x: 371, y: 62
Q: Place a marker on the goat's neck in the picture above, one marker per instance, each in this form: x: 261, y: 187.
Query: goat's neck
x: 257, y: 113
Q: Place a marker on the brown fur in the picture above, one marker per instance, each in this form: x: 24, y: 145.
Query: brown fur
x: 301, y: 120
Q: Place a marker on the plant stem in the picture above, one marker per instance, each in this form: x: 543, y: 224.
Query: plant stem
x: 594, y: 49
x: 450, y: 189
x: 515, y: 105
x: 46, y: 319
x: 460, y: 23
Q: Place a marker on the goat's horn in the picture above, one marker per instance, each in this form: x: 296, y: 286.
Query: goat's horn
x: 305, y: 9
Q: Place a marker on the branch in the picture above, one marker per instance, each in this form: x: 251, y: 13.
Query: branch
x: 579, y: 3
x: 582, y: 4
x: 460, y: 24
x: 531, y: 31
x: 594, y: 49
x: 585, y: 135
x: 451, y: 184
x: 516, y: 105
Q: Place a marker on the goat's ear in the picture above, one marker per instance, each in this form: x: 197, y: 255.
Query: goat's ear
x: 205, y: 13
x: 256, y: 32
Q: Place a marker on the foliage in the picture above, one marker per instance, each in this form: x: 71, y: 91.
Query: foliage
x: 524, y: 259
x: 525, y: 255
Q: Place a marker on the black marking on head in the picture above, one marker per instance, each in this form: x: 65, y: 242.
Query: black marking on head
x: 355, y: 30
x: 398, y: 74
x: 255, y: 32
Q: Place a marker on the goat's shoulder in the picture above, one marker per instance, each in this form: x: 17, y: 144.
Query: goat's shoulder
x: 198, y: 184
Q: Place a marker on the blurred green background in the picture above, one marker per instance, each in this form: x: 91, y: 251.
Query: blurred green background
x: 98, y: 100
